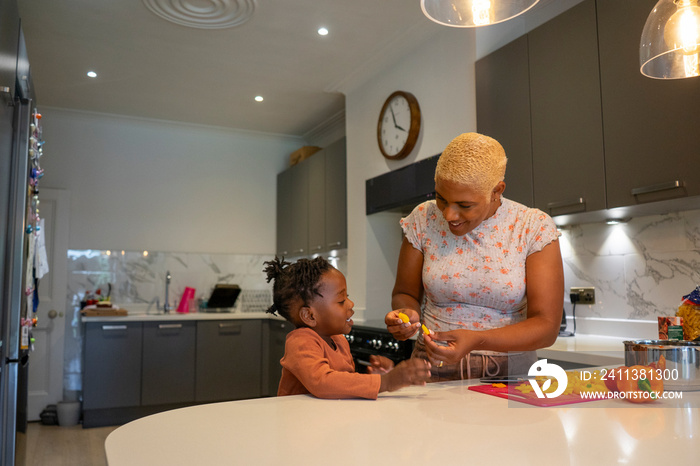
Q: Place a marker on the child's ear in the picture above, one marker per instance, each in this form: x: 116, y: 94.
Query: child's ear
x: 306, y: 314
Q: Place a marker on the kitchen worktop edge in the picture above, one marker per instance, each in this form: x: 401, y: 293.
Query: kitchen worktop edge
x: 183, y: 317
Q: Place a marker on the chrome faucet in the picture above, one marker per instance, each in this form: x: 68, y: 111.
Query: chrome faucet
x: 166, y: 305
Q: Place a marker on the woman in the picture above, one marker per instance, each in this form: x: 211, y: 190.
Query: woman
x: 467, y: 257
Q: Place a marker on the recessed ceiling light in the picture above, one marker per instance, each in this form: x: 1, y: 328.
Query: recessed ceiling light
x: 322, y: 31
x: 92, y: 74
x: 616, y: 221
x: 258, y: 98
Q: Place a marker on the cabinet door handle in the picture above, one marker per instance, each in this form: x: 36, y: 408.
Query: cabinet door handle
x: 169, y: 325
x: 556, y: 205
x: 230, y: 328
x: 336, y: 243
x: 317, y: 248
x: 113, y: 327
x: 300, y: 251
x: 578, y: 205
x: 654, y: 188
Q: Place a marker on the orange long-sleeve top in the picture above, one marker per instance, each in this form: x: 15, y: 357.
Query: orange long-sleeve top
x: 310, y: 365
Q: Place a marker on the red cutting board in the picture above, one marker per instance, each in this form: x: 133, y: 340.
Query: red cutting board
x: 510, y: 393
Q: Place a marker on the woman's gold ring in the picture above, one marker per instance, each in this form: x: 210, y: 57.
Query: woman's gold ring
x: 440, y: 363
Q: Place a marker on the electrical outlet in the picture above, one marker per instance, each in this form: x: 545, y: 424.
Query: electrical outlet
x: 586, y: 294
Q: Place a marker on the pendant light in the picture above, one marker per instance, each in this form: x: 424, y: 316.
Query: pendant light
x: 670, y: 41
x: 474, y: 13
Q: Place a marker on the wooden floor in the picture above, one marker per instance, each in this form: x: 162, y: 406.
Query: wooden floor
x: 65, y: 445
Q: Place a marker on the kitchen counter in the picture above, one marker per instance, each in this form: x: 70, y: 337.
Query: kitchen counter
x: 438, y: 424
x: 586, y: 349
x: 176, y: 316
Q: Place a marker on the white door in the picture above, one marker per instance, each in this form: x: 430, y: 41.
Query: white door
x: 46, y: 361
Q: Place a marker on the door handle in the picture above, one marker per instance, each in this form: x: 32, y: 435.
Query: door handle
x: 577, y: 205
x: 654, y: 188
x: 165, y: 326
x: 230, y: 328
x: 114, y: 327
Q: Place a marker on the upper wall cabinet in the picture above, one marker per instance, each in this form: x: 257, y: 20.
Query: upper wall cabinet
x: 602, y: 135
x: 336, y: 220
x: 650, y: 125
x: 503, y: 109
x: 293, y: 211
x: 312, y: 205
x: 567, y: 127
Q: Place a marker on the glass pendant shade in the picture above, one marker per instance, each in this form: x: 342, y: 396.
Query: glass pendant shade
x: 474, y: 13
x: 670, y: 41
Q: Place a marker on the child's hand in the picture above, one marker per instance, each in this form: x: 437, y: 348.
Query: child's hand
x: 379, y: 365
x: 414, y: 371
x: 402, y: 323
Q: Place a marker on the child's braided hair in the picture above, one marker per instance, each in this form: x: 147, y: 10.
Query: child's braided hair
x: 294, y: 283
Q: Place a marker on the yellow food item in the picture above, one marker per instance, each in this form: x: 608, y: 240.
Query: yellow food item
x: 524, y: 387
x: 404, y: 318
x: 691, y: 320
x: 498, y: 385
x: 425, y: 330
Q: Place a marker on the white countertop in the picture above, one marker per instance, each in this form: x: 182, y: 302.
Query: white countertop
x: 172, y: 316
x: 587, y: 349
x: 439, y: 424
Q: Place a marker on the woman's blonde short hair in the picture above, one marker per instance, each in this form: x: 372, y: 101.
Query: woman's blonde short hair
x: 474, y: 160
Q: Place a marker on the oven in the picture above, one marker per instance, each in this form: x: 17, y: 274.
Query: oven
x: 372, y: 337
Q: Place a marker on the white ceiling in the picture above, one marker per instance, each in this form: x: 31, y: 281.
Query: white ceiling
x: 150, y: 67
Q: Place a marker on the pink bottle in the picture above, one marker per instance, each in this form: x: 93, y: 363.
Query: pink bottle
x: 187, y: 296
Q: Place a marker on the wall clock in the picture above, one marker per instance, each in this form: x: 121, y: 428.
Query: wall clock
x: 399, y: 125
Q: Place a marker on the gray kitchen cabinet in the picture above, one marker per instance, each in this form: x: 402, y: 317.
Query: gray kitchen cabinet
x: 503, y: 112
x: 282, y: 214
x: 229, y: 360
x: 284, y: 202
x: 293, y: 211
x: 316, y: 166
x: 168, y: 362
x: 336, y: 219
x: 566, y: 118
x: 311, y: 204
x: 274, y: 339
x: 112, y: 365
x: 650, y: 125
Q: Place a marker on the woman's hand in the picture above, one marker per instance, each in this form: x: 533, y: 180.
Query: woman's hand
x: 398, y: 328
x: 379, y: 365
x: 449, y: 347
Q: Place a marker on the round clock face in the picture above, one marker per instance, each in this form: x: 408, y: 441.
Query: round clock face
x: 399, y: 125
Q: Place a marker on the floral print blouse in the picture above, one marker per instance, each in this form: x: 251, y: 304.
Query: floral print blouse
x: 477, y: 281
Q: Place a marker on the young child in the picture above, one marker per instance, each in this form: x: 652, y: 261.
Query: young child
x: 312, y: 295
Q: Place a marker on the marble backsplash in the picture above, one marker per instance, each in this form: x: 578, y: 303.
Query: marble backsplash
x: 640, y: 270
x: 138, y: 284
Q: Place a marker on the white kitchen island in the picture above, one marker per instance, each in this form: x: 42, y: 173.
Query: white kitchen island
x: 439, y: 424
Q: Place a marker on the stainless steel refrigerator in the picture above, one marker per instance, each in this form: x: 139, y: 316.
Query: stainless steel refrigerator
x: 15, y: 199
